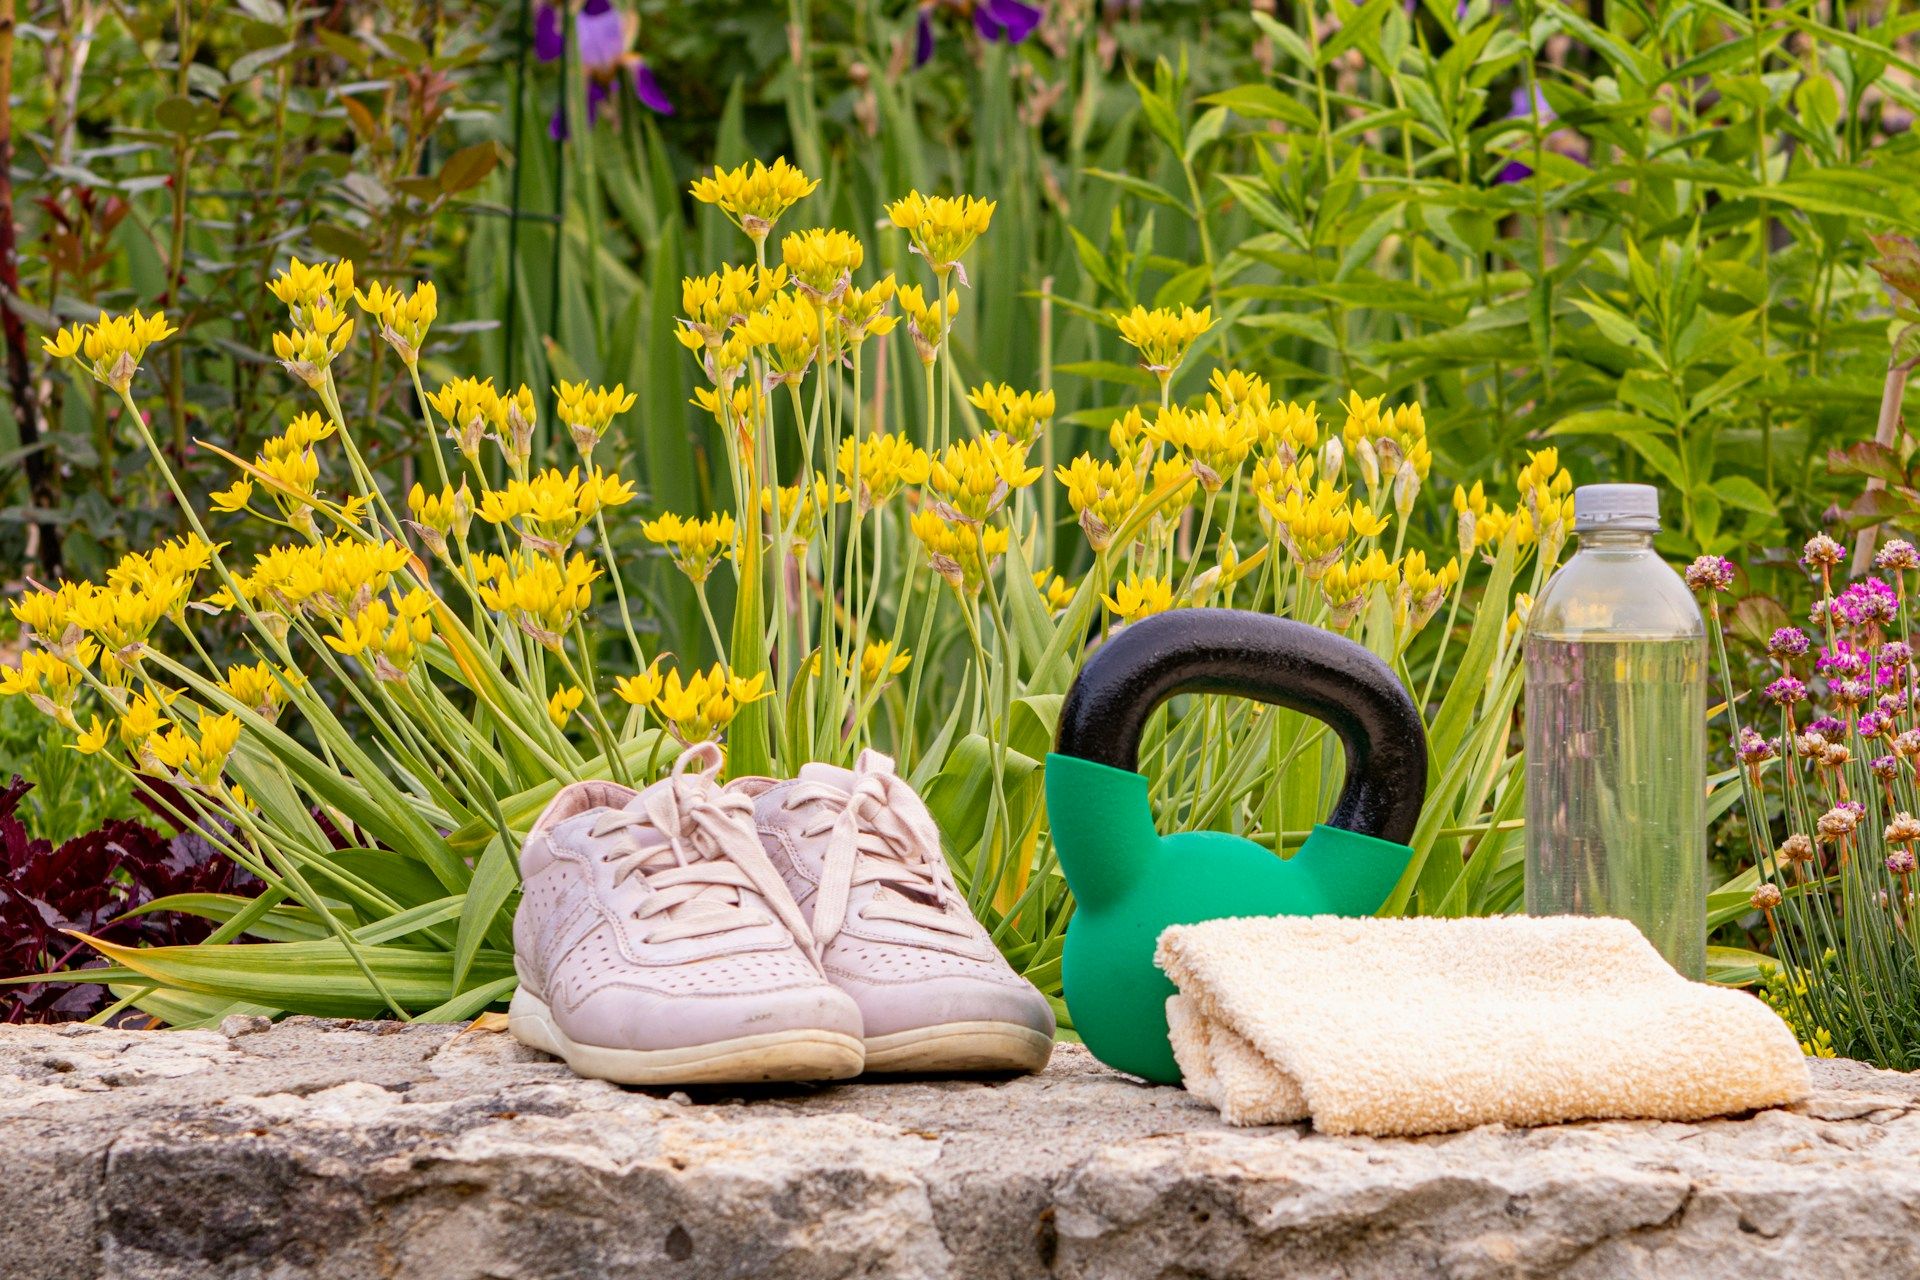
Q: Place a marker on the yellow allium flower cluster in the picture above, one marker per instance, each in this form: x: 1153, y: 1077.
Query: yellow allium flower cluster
x: 1390, y: 446
x: 404, y: 318
x: 321, y: 579
x: 954, y: 551
x: 716, y: 302
x: 695, y: 545
x: 1138, y: 597
x: 698, y: 708
x: 754, y: 195
x: 787, y: 333
x: 1315, y: 526
x: 1163, y: 336
x: 112, y: 347
x: 193, y: 758
x: 942, y: 228
x: 1020, y: 415
x: 473, y: 410
x: 539, y: 594
x: 316, y: 298
x: 822, y: 261
x: 797, y: 527
x: 47, y: 681
x: 261, y: 687
x: 290, y: 468
x: 862, y: 313
x: 1421, y: 589
x: 387, y: 636
x: 549, y: 510
x: 1347, y: 584
x: 589, y: 411
x: 435, y: 515
x: 1213, y: 440
x: 874, y: 667
x: 1102, y: 493
x: 972, y: 478
x: 887, y: 462
x: 928, y: 322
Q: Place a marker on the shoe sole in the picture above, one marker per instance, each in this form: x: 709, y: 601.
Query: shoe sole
x: 801, y: 1054
x: 960, y: 1046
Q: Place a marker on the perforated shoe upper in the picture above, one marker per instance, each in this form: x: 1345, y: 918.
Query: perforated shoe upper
x: 654, y: 919
x: 862, y: 856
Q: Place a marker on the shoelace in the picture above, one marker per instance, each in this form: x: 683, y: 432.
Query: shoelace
x: 881, y: 833
x: 710, y: 855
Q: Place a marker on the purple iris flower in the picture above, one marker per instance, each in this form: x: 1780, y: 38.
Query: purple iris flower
x: 603, y: 39
x: 1009, y: 20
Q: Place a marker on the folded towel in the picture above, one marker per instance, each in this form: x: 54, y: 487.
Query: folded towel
x: 1428, y: 1025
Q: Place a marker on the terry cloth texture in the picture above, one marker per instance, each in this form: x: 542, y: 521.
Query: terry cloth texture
x: 1428, y: 1025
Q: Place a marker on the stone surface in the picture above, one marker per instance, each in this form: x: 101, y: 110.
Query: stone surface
x: 323, y: 1149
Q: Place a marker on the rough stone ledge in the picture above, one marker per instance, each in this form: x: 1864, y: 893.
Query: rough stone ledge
x: 330, y: 1149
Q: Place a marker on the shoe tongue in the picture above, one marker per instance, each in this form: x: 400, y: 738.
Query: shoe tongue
x: 831, y: 775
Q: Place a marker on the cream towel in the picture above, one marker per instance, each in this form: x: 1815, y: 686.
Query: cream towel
x: 1427, y: 1025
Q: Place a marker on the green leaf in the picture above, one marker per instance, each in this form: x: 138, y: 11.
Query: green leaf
x: 495, y: 877
x: 1110, y: 371
x: 1263, y: 102
x: 1139, y: 187
x: 1738, y: 491
x: 468, y: 167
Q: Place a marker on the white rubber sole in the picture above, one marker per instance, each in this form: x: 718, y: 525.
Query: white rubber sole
x: 960, y: 1046
x: 802, y: 1054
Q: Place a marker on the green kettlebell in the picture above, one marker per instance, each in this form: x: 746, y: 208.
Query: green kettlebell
x: 1130, y: 882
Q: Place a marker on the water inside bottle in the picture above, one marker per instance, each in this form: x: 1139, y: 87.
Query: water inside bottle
x: 1616, y: 806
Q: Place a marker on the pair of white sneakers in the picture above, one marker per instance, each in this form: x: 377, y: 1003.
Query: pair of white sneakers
x: 692, y: 933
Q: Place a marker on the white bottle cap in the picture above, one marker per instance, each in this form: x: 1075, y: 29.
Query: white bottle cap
x: 1631, y: 507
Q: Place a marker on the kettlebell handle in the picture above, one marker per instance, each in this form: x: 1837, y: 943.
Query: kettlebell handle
x: 1273, y: 660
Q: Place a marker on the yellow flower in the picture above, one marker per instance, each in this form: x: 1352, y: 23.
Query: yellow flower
x: 1163, y: 336
x: 1422, y: 590
x: 302, y: 288
x: 1103, y: 494
x: 1138, y: 597
x: 539, y: 594
x: 700, y: 708
x: 1054, y: 590
x: 954, y: 551
x: 1347, y: 585
x: 787, y: 331
x: 879, y: 663
x: 435, y: 515
x: 822, y: 262
x: 738, y: 409
x: 972, y: 478
x: 696, y: 545
x: 233, y: 498
x: 641, y: 690
x: 1128, y: 434
x: 942, y: 228
x: 887, y: 462
x: 562, y: 705
x: 714, y: 303
x: 797, y: 528
x: 47, y: 681
x: 1547, y: 492
x: 1314, y: 525
x: 862, y: 312
x: 51, y: 615
x: 260, y: 687
x: 112, y: 346
x: 1287, y: 431
x: 145, y: 716
x: 194, y: 759
x: 1239, y: 390
x: 754, y: 196
x: 390, y: 635
x: 404, y: 318
x: 550, y: 509
x: 928, y: 322
x: 93, y: 740
x: 588, y: 412
x: 1215, y: 442
x: 1019, y: 414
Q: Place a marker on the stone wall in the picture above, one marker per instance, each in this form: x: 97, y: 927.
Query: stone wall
x: 322, y: 1149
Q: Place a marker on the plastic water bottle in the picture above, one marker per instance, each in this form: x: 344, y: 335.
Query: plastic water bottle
x: 1616, y: 656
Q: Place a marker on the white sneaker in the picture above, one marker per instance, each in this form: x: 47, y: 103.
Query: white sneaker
x: 656, y: 944
x: 862, y: 856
